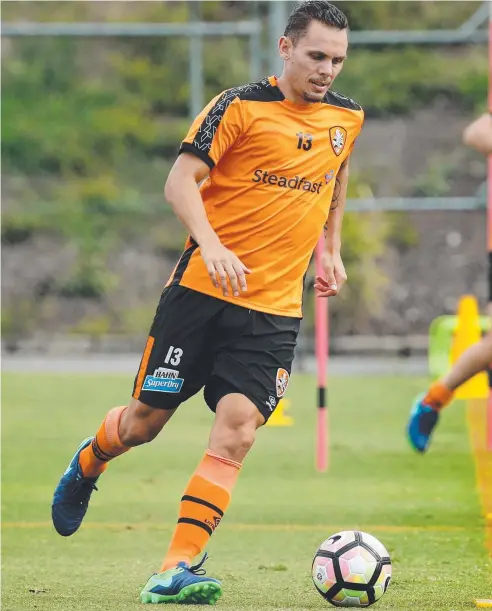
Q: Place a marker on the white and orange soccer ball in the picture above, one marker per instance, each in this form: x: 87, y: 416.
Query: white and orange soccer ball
x: 351, y: 569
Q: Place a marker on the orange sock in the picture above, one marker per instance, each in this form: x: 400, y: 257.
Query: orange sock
x: 438, y: 396
x: 202, y: 507
x: 106, y: 445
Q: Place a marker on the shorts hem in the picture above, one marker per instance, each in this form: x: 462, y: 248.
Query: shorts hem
x: 155, y: 406
x: 220, y: 387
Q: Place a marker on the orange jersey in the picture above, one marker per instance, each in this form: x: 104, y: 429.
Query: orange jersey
x: 273, y: 166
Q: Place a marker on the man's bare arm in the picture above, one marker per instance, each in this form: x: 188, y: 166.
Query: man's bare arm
x: 333, y: 271
x: 182, y: 192
x: 333, y: 225
x: 478, y: 135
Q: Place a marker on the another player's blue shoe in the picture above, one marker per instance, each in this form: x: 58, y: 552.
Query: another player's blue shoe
x: 72, y: 495
x: 182, y: 585
x: 420, y: 425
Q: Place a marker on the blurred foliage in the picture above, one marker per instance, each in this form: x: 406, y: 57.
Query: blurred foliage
x: 19, y: 319
x: 403, y: 15
x: 91, y: 126
x: 435, y: 181
x: 398, y: 81
x: 369, y: 14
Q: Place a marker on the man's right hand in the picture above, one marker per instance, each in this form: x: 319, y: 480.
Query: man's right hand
x: 222, y: 262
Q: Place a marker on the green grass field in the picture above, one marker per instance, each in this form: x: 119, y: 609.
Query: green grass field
x: 424, y: 509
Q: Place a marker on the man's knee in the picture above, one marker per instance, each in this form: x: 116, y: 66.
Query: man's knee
x: 234, y: 430
x: 236, y: 440
x: 141, y: 423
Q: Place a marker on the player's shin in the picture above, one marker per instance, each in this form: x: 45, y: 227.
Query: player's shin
x: 105, y: 446
x: 203, y: 505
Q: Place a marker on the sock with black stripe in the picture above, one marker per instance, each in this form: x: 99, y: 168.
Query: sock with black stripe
x: 203, y: 505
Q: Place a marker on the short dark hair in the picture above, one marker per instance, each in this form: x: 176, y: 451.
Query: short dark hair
x: 314, y: 10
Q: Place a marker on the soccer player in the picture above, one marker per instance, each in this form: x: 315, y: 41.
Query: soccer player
x: 426, y: 409
x: 271, y: 159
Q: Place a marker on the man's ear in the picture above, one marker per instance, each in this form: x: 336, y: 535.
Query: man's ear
x: 285, y: 47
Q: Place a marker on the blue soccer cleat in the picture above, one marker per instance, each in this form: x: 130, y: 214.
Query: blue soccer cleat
x: 72, y: 496
x: 182, y: 585
x: 421, y: 423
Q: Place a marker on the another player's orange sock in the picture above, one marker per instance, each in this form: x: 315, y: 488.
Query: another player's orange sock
x: 106, y: 445
x: 202, y: 506
x: 438, y: 396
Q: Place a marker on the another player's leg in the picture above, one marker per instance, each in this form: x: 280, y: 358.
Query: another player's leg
x: 121, y: 429
x: 203, y: 505
x: 425, y: 411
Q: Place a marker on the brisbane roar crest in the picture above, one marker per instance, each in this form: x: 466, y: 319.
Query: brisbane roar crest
x: 338, y: 137
x: 282, y: 381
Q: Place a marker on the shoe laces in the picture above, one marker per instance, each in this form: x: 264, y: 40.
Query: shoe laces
x: 83, y: 489
x: 197, y: 569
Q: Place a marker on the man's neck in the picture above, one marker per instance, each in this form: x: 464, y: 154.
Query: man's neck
x: 288, y: 92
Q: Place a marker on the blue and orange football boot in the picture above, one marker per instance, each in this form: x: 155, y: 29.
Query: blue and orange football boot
x: 72, y: 495
x: 423, y: 419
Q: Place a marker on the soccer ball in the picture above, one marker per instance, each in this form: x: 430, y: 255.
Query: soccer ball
x: 351, y: 569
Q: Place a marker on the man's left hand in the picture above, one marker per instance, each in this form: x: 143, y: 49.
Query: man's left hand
x: 335, y: 275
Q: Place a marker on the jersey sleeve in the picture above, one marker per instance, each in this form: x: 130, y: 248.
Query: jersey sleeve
x: 215, y: 129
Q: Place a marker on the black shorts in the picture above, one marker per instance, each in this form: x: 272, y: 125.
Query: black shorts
x: 197, y: 341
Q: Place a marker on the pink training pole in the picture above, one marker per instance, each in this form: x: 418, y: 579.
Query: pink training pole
x: 321, y: 343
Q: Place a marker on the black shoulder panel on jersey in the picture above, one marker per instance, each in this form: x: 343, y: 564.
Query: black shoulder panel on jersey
x: 261, y: 90
x: 337, y: 99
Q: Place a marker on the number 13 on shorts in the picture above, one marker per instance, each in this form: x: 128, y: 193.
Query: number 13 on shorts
x: 173, y: 356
